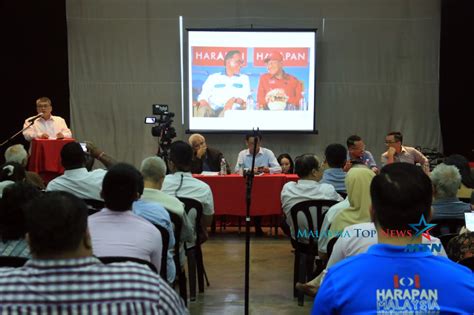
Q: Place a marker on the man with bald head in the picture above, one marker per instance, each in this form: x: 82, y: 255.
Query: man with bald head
x: 205, y: 158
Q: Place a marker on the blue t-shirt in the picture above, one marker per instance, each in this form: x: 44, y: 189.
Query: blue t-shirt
x: 335, y: 177
x: 388, y: 280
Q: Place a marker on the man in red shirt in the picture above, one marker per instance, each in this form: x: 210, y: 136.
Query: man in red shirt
x: 277, y: 86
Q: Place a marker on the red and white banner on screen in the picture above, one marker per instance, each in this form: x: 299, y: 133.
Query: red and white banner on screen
x: 214, y: 56
x: 292, y: 57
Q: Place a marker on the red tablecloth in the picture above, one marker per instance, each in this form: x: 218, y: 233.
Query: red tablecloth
x: 229, y: 193
x: 45, y: 158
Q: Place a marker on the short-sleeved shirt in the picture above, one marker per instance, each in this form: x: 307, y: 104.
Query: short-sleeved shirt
x: 288, y: 83
x: 219, y: 88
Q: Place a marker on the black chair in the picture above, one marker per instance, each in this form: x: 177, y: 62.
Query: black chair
x: 446, y: 226
x: 12, y: 261
x: 468, y: 262
x: 93, y: 205
x: 331, y: 244
x: 445, y: 238
x: 343, y: 194
x: 165, y: 238
x: 194, y: 210
x: 114, y: 259
x: 306, y: 252
x: 180, y: 273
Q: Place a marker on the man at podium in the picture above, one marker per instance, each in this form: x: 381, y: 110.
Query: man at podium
x: 44, y: 125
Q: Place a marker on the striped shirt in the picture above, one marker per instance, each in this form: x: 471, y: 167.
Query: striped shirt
x: 85, y: 286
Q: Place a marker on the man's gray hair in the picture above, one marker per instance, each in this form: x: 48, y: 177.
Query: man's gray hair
x: 446, y: 180
x: 16, y: 153
x: 153, y: 168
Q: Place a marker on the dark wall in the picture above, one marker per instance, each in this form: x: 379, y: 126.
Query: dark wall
x: 33, y: 62
x: 456, y: 105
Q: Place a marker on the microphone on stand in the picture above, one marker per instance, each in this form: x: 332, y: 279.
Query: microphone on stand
x: 32, y: 119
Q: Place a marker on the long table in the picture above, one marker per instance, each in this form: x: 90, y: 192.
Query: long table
x: 229, y: 193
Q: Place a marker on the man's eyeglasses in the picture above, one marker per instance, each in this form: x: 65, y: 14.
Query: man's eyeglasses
x: 390, y: 141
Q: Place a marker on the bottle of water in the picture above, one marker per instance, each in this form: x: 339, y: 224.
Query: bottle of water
x: 223, y: 170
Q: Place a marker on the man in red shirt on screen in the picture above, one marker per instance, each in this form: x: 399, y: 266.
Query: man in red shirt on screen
x: 278, y: 90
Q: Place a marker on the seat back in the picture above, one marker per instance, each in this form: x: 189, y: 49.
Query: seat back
x: 446, y: 226
x: 193, y: 210
x: 12, y: 261
x: 331, y: 244
x: 94, y: 205
x: 342, y: 194
x: 114, y: 259
x: 303, y: 220
x: 165, y: 238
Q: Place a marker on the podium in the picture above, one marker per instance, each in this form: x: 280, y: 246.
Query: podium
x: 45, y: 157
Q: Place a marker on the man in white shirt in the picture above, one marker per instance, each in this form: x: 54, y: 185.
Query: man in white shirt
x: 265, y: 160
x: 44, y: 125
x: 76, y: 179
x: 307, y: 188
x: 115, y: 230
x: 182, y: 184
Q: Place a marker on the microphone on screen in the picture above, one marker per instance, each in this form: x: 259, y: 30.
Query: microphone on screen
x: 32, y: 119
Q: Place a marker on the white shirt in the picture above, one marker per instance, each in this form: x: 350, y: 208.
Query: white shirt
x: 219, y: 88
x: 183, y: 184
x: 264, y: 158
x: 52, y: 127
x: 79, y: 182
x: 117, y: 233
x: 303, y: 190
x: 331, y: 214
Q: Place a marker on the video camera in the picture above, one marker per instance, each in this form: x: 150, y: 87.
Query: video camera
x: 163, y: 128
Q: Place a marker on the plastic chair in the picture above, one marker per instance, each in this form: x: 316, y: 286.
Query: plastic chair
x: 94, y: 205
x: 12, y: 261
x: 306, y: 252
x: 180, y: 273
x: 194, y: 253
x: 114, y: 259
x: 446, y: 226
x: 331, y: 244
x: 165, y: 238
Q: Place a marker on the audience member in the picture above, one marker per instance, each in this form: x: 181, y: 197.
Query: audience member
x: 358, y: 195
x: 157, y: 215
x: 446, y: 182
x: 462, y: 246
x: 115, y: 230
x: 401, y: 195
x: 11, y: 172
x: 64, y: 277
x: 278, y: 86
x: 307, y: 188
x: 12, y: 218
x: 336, y: 156
x: 17, y: 153
x: 224, y: 91
x: 47, y: 126
x: 76, y: 179
x: 467, y: 180
x: 265, y: 160
x: 205, y: 158
x: 396, y: 152
x: 356, y: 154
x: 180, y: 183
x: 286, y: 163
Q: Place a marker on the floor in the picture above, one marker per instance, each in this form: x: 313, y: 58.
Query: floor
x: 271, y: 276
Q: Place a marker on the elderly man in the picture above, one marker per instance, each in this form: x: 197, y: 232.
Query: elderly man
x: 224, y: 91
x: 204, y: 157
x: 389, y: 278
x: 356, y: 154
x: 76, y: 178
x: 17, y: 153
x: 64, y: 276
x: 396, y: 152
x: 277, y: 85
x: 446, y: 181
x: 44, y: 125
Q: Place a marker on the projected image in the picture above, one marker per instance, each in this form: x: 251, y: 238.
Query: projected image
x: 238, y: 87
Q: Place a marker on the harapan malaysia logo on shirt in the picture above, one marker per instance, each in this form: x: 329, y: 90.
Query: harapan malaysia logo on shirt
x: 407, y: 297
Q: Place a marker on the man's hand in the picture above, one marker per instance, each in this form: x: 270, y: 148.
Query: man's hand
x: 44, y: 136
x: 93, y: 150
x: 347, y: 166
x: 201, y: 151
x: 375, y: 169
x: 391, y: 152
x: 228, y: 105
x: 59, y: 135
x: 202, y: 103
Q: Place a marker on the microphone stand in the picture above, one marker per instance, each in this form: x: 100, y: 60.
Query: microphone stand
x: 16, y: 134
x: 249, y: 176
